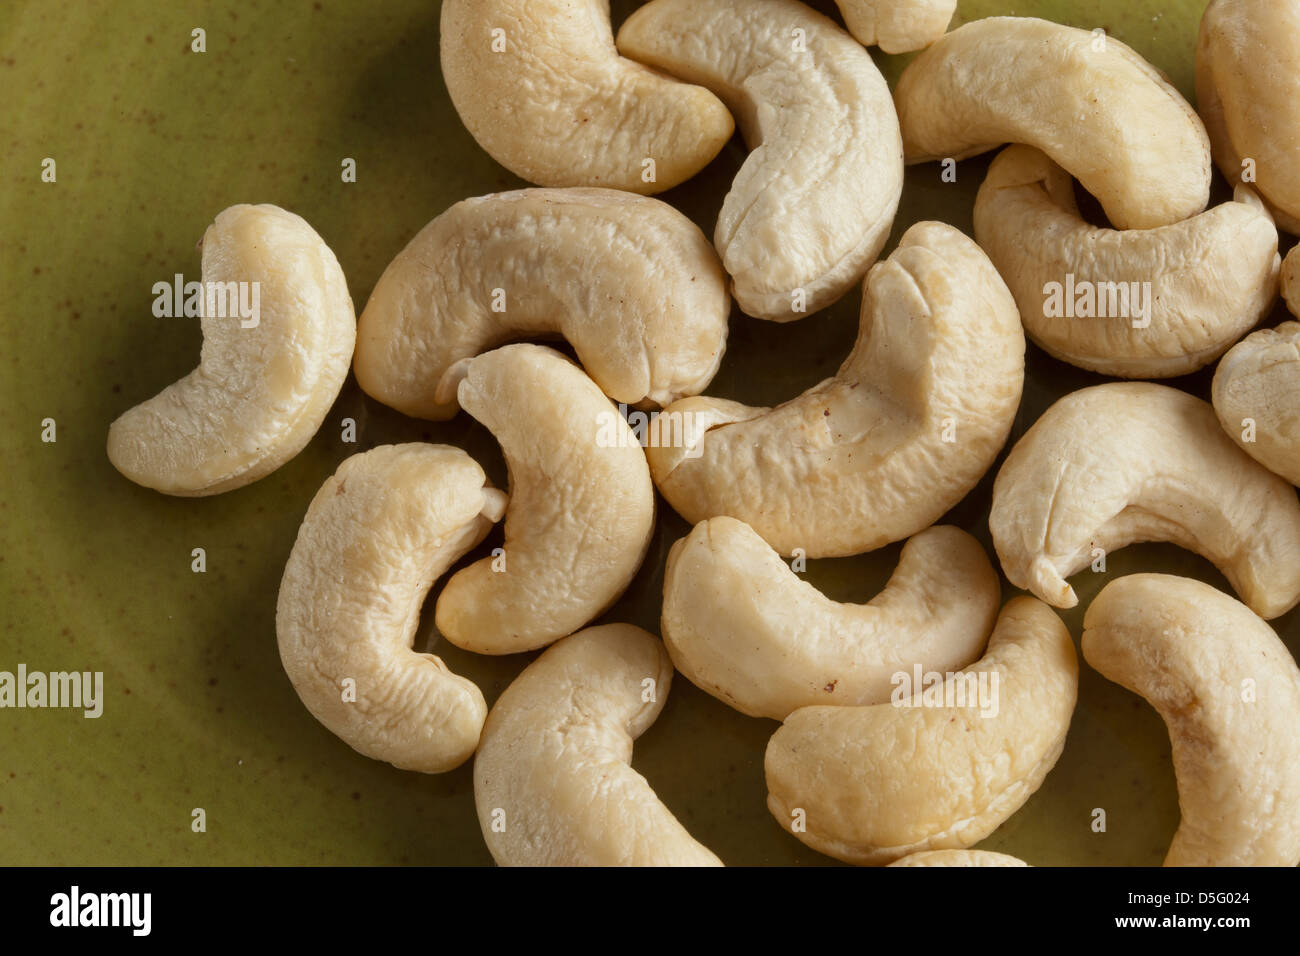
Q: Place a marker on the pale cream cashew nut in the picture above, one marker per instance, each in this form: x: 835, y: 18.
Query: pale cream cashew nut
x: 264, y: 382
x: 376, y: 536
x: 897, y: 26
x: 812, y: 205
x: 1256, y: 394
x: 630, y: 282
x: 1229, y: 692
x: 742, y: 626
x: 553, y: 782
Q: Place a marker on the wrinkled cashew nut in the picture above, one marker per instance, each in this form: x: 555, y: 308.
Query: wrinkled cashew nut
x: 1126, y: 462
x: 630, y: 282
x: 1247, y: 85
x: 541, y: 87
x: 553, y: 782
x: 959, y: 858
x: 1229, y: 692
x: 1255, y: 396
x: 812, y: 205
x: 1107, y: 116
x: 908, y: 425
x: 377, y: 535
x: 581, y: 510
x: 265, y: 381
x: 1137, y: 303
x: 897, y: 26
x: 878, y: 783
x: 743, y: 627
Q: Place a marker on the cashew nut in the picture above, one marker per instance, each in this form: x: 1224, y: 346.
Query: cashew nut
x: 742, y: 626
x: 1088, y: 101
x: 1229, y: 692
x: 377, y: 535
x: 1150, y: 303
x: 897, y: 26
x: 959, y: 858
x: 581, y: 510
x: 1255, y: 396
x: 812, y: 205
x: 265, y: 380
x: 553, y: 782
x: 1291, y: 280
x: 909, y: 424
x: 1247, y: 84
x: 872, y: 784
x: 1124, y: 462
x: 630, y: 282
x: 541, y: 87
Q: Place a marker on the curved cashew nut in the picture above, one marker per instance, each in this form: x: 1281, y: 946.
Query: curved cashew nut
x: 266, y: 377
x: 1291, y: 280
x: 1254, y: 394
x: 1247, y: 56
x: 1106, y: 115
x: 581, y: 508
x: 959, y: 858
x: 1229, y: 692
x: 541, y: 87
x: 897, y: 26
x: 1150, y: 303
x: 813, y: 203
x: 1125, y: 462
x: 878, y: 783
x: 909, y: 424
x: 377, y: 535
x: 553, y: 783
x: 743, y: 627
x: 630, y: 281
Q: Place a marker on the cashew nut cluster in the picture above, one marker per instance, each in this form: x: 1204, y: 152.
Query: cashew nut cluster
x: 1229, y: 692
x: 959, y: 858
x: 1247, y: 87
x: 377, y: 535
x: 553, y: 782
x: 1125, y: 462
x: 629, y: 281
x: 897, y: 26
x: 1088, y: 101
x: 813, y: 203
x: 1256, y: 395
x: 541, y: 87
x: 581, y: 509
x: 939, y: 770
x: 267, y: 374
x: 741, y: 625
x: 908, y: 425
x: 1137, y: 303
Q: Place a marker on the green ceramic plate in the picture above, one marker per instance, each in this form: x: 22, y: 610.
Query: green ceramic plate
x: 150, y: 141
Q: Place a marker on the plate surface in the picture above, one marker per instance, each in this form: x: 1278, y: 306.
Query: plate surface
x: 151, y: 140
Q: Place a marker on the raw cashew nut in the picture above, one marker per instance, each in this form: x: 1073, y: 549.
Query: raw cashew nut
x: 909, y: 424
x: 813, y: 203
x: 1125, y: 462
x: 742, y: 626
x: 1256, y: 395
x: 541, y: 87
x: 553, y: 783
x: 1138, y: 303
x: 267, y: 375
x: 630, y: 282
x: 897, y: 26
x: 377, y: 535
x: 1091, y: 103
x: 1247, y: 87
x: 581, y: 511
x: 1229, y: 692
x: 873, y: 784
x: 1291, y: 280
x: 959, y: 858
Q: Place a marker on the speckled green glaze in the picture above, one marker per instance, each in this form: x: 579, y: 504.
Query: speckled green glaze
x: 151, y: 142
